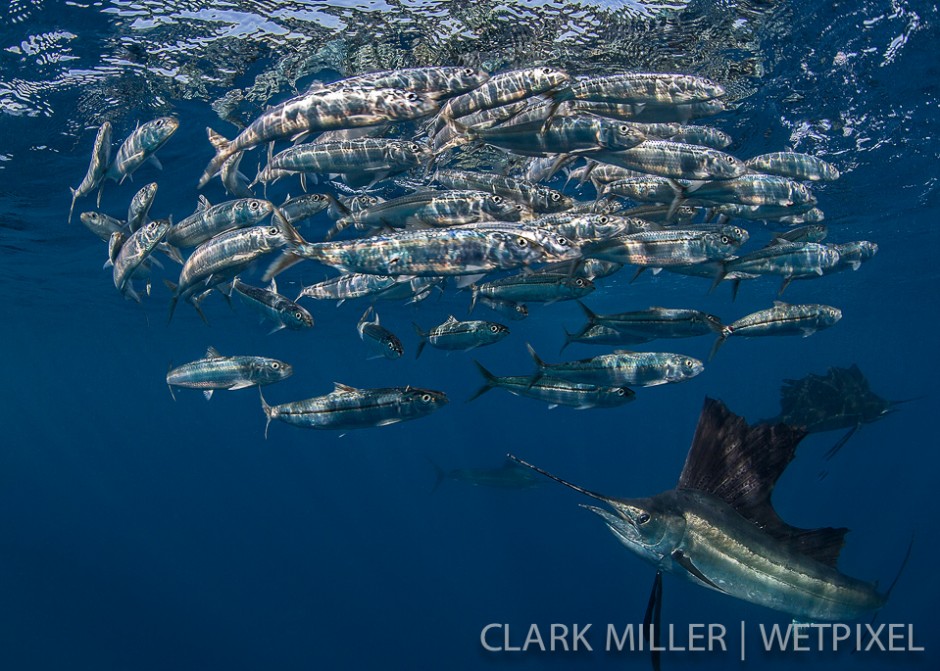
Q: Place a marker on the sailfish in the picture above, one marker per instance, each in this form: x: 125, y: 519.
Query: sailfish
x: 719, y: 529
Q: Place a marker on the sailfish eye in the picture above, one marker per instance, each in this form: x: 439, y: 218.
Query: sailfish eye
x: 642, y: 518
x: 522, y: 242
x: 725, y: 239
x: 276, y: 365
x: 426, y: 398
x: 273, y: 230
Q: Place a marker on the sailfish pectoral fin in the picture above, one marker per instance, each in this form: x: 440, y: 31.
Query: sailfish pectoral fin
x: 652, y: 619
x: 682, y: 560
x: 842, y: 441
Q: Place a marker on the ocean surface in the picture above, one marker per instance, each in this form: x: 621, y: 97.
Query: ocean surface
x: 138, y: 532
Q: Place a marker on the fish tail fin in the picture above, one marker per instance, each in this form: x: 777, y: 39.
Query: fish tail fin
x: 169, y: 386
x: 223, y: 150
x: 474, y: 295
x: 294, y: 240
x: 679, y: 194
x: 539, y: 364
x: 725, y: 332
x: 173, y: 300
x: 74, y: 198
x: 422, y: 339
x: 719, y: 277
x: 569, y: 338
x: 268, y: 412
x: 439, y: 474
x: 588, y: 312
x: 489, y: 381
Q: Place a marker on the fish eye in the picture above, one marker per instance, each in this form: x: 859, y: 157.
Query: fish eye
x: 275, y: 365
x: 579, y: 282
x: 494, y: 328
x: 253, y: 205
x: 725, y: 240
x: 497, y: 199
x: 413, y: 96
x: 688, y: 363
x: 604, y: 219
x: 415, y: 147
x: 273, y: 230
x: 469, y: 72
x: 729, y: 159
x: 426, y: 398
x: 642, y: 518
x: 522, y: 242
x: 624, y: 128
x: 299, y: 315
x: 158, y: 123
x: 561, y: 240
x: 556, y: 196
x: 620, y: 391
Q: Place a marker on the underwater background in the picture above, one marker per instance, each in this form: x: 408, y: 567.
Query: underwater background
x: 141, y: 533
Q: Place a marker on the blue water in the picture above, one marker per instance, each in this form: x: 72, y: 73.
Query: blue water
x: 141, y: 533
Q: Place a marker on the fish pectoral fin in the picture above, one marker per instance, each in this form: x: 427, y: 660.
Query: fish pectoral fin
x: 208, y: 394
x: 390, y: 420
x: 242, y: 385
x: 682, y: 560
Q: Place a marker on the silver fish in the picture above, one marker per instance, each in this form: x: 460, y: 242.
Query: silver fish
x: 350, y: 408
x: 139, y: 209
x: 437, y: 82
x: 434, y: 208
x: 134, y: 251
x: 274, y: 307
x: 453, y: 334
x: 509, y: 309
x: 781, y: 319
x: 569, y: 135
x: 318, y: 110
x: 100, y: 160
x: 381, y: 341
x: 209, y: 220
x: 378, y: 156
x: 537, y: 197
x: 227, y: 372
x: 675, y: 159
x: 655, y: 322
x: 141, y: 146
x: 641, y: 88
x: 502, y: 89
x: 355, y: 285
x: 102, y: 225
x: 534, y: 287
x: 644, y: 369
x: 556, y: 391
x: 223, y: 257
x: 793, y: 165
x: 752, y: 189
x: 459, y: 250
x: 671, y: 247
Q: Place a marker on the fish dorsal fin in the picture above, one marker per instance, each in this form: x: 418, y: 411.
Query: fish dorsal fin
x: 451, y: 319
x: 624, y: 351
x: 781, y: 304
x: 272, y: 286
x: 740, y: 464
x: 203, y: 204
x: 212, y: 353
x: 343, y: 388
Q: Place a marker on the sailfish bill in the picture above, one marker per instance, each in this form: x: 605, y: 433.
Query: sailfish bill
x: 719, y: 529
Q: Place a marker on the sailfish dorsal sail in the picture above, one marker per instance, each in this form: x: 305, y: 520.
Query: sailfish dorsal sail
x: 740, y: 464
